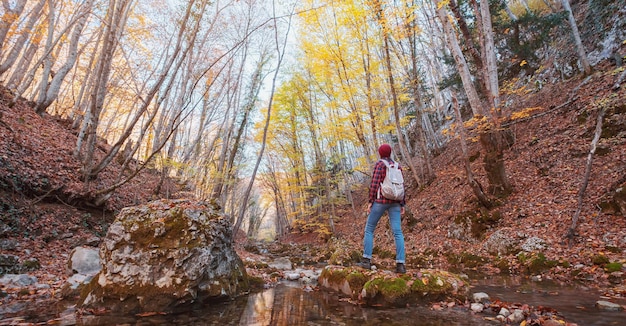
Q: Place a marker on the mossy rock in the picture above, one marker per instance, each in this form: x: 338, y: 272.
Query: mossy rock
x: 342, y: 253
x: 536, y: 263
x: 384, y: 288
x: 478, y: 221
x: 31, y: 264
x: 164, y: 255
x: 600, y: 260
x: 466, y: 259
x: 424, y: 286
x: 613, y: 267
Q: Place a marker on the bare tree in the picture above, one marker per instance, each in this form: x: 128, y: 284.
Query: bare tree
x: 9, y: 17
x: 272, y: 183
x: 382, y: 21
x: 115, y: 23
x: 19, y: 43
x: 49, y: 93
x: 411, y: 31
x: 571, y: 232
x: 167, y: 67
x: 490, y: 137
x: 280, y: 52
x: 474, y: 184
x: 580, y: 49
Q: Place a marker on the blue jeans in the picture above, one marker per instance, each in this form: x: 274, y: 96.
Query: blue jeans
x: 376, y: 213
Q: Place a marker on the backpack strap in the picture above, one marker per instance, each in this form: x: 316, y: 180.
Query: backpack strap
x: 387, y: 164
x: 378, y: 194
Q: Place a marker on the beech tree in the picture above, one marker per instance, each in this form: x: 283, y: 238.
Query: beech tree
x: 115, y: 22
x: 490, y: 135
x: 49, y: 91
x: 10, y: 16
x: 580, y: 49
x: 382, y: 20
x: 16, y: 48
x: 280, y: 46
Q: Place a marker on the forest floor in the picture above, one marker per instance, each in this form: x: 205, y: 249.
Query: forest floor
x: 45, y: 211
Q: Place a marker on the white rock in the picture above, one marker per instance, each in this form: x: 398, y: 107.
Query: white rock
x: 480, y: 297
x: 533, y: 244
x: 85, y: 260
x: 292, y: 276
x: 281, y: 263
x: 504, y: 312
x: 18, y: 280
x: 516, y: 317
x: 608, y: 306
x: 477, y: 307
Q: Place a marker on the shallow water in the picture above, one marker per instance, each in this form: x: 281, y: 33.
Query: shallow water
x: 575, y: 304
x: 288, y: 304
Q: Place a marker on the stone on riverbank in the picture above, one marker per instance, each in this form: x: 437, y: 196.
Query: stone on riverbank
x: 377, y: 288
x: 165, y: 254
x: 83, y: 265
x: 608, y: 306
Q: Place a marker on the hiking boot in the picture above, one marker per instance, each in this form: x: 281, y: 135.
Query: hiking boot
x: 400, y: 269
x: 365, y: 263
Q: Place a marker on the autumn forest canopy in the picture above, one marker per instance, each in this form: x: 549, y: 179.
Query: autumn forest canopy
x: 276, y: 108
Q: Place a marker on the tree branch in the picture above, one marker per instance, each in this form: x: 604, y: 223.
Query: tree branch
x: 581, y: 193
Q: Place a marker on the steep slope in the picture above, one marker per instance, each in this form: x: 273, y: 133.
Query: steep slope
x: 45, y: 207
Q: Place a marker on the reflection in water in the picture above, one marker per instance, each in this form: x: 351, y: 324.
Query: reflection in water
x: 259, y: 309
x: 287, y: 304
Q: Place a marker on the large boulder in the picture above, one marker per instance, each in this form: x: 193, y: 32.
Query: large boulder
x: 159, y: 256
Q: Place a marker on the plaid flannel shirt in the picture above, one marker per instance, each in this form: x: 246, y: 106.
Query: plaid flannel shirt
x: 380, y: 171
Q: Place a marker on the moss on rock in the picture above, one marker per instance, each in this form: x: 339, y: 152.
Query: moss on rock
x: 165, y: 254
x: 377, y: 288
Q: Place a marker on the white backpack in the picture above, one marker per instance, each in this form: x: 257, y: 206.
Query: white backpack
x: 393, y: 186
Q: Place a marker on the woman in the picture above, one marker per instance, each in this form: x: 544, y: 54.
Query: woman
x: 377, y: 206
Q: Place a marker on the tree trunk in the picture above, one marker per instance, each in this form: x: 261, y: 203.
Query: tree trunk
x: 370, y: 102
x: 9, y: 17
x: 571, y: 232
x: 580, y: 49
x: 489, y: 54
x: 474, y: 184
x: 248, y: 105
x: 52, y: 92
x: 493, y: 160
x: 24, y: 35
x: 94, y: 171
x: 281, y: 54
x: 116, y: 17
x: 461, y: 63
x: 429, y: 174
x: 20, y: 70
x: 508, y: 11
x: 387, y: 57
x: 47, y: 60
x: 491, y: 139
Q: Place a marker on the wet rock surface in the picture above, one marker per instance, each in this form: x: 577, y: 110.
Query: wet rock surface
x: 380, y: 287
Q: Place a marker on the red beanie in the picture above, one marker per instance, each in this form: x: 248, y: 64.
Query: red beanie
x: 384, y: 150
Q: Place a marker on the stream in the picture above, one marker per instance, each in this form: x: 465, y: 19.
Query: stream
x: 289, y: 304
